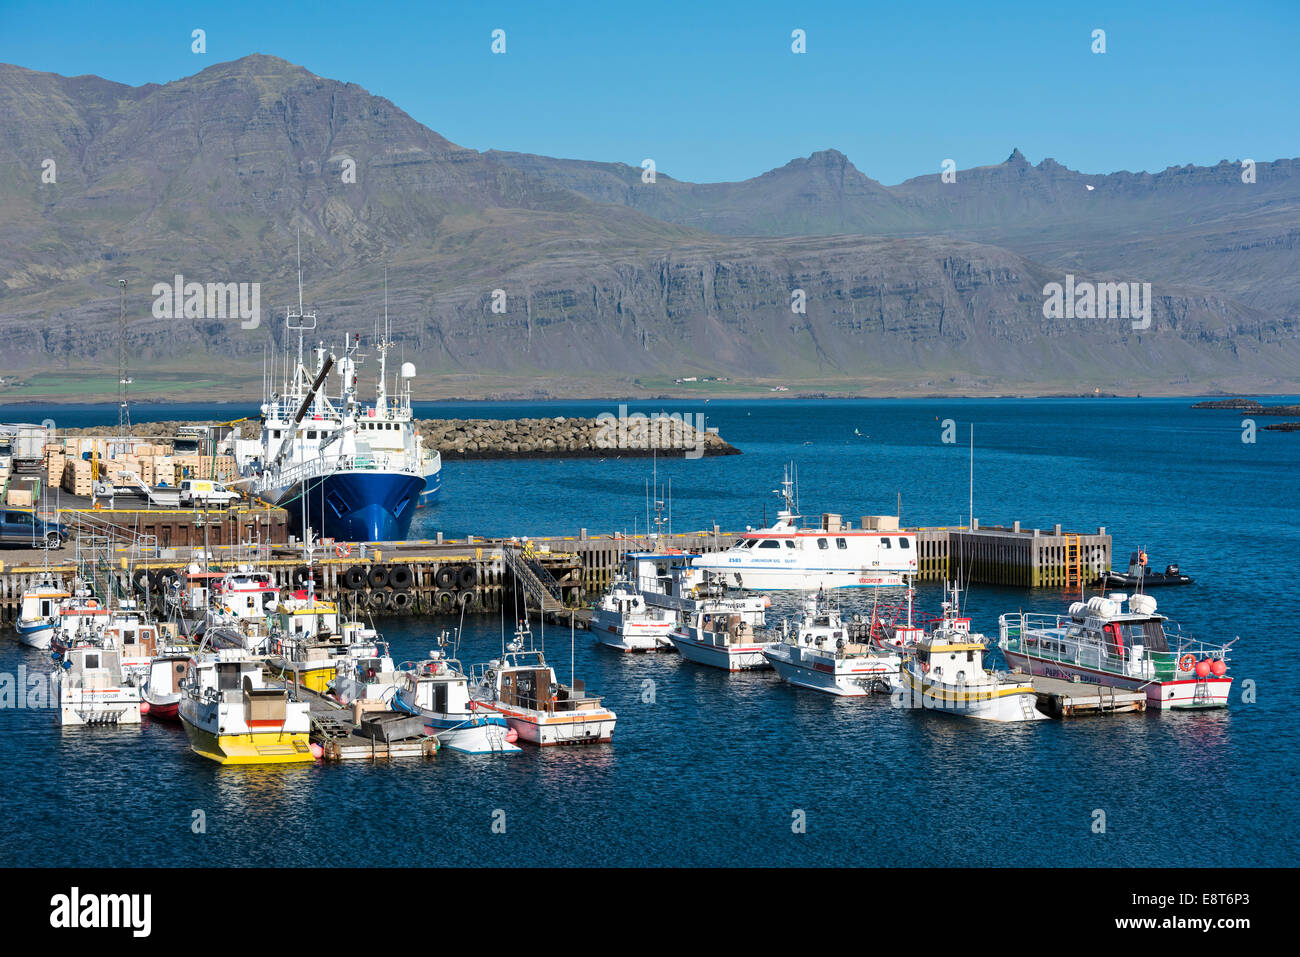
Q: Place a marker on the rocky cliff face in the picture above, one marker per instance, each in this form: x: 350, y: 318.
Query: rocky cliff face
x: 516, y: 275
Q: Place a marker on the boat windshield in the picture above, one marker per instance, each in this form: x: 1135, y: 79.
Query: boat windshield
x: 1148, y: 633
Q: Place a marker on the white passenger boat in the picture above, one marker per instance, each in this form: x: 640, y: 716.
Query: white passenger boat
x: 830, y: 555
x: 622, y: 619
x: 162, y: 686
x: 1104, y: 643
x: 521, y: 687
x: 819, y: 653
x: 438, y: 691
x: 38, y: 616
x: 93, y: 689
x: 233, y: 717
x: 722, y: 632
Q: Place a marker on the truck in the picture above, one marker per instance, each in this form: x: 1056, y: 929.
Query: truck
x: 205, y: 492
x: 27, y: 444
x: 20, y: 527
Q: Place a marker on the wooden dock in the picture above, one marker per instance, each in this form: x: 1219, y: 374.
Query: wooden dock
x: 1071, y: 699
x: 342, y: 739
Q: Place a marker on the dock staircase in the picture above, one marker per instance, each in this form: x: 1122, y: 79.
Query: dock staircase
x: 536, y: 581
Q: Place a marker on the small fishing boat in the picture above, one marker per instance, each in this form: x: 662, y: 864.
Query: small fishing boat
x: 722, y: 632
x: 93, y: 690
x: 38, y: 615
x: 1102, y: 642
x: 306, y: 644
x: 162, y: 687
x: 622, y: 619
x: 82, y: 619
x: 945, y: 672
x: 1140, y: 576
x: 819, y: 653
x: 232, y: 716
x: 521, y: 687
x: 437, y: 690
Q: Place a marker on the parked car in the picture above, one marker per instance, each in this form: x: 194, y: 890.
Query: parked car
x: 29, y: 531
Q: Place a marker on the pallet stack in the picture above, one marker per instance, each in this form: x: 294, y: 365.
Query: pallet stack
x: 76, y: 477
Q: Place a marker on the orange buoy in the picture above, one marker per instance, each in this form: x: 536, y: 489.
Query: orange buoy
x: 1203, y: 668
x: 317, y: 751
x: 1219, y: 667
x: 144, y: 707
x: 512, y: 736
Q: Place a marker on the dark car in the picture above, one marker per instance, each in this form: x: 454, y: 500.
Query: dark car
x: 28, y: 531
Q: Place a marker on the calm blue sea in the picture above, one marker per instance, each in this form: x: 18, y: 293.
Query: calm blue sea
x: 712, y: 770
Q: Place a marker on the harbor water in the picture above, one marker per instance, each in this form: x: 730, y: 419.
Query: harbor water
x: 708, y: 768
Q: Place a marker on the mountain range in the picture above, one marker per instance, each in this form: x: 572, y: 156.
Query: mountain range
x: 515, y: 275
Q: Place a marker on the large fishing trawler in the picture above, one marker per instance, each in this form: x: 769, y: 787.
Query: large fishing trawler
x: 339, y: 468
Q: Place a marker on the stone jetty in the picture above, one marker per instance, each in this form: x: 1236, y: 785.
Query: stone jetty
x: 606, y: 436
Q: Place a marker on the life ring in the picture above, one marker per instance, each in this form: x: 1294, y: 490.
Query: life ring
x: 343, y: 549
x: 1187, y: 662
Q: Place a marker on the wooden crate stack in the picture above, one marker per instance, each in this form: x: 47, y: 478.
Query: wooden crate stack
x: 76, y: 477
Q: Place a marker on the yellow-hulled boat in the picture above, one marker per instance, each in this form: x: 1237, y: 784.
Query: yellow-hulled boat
x: 232, y: 717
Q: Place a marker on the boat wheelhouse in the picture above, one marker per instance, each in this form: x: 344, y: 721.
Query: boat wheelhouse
x: 819, y: 653
x: 831, y: 555
x: 162, y: 686
x: 1102, y: 642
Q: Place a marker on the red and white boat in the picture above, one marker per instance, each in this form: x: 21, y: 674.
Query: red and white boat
x: 162, y: 687
x: 1104, y: 643
x: 522, y: 688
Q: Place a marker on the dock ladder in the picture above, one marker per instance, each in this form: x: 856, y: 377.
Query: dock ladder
x: 535, y: 579
x: 1073, y: 562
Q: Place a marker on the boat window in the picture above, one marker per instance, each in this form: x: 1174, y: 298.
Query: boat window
x: 311, y: 434
x: 904, y: 543
x: 769, y: 543
x: 841, y: 543
x: 823, y: 544
x: 886, y: 543
x: 789, y: 543
x: 1152, y: 635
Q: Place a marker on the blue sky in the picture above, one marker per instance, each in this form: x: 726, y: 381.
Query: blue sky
x: 712, y: 91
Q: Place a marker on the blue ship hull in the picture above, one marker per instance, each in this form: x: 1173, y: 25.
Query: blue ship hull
x: 356, y: 506
x: 432, y: 485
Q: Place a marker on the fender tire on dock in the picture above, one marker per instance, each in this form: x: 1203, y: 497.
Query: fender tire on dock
x: 140, y: 580
x: 445, y: 577
x: 446, y: 601
x: 300, y: 575
x: 379, y: 599
x: 400, y: 601
x: 401, y: 578
x: 354, y: 578
x: 467, y: 599
x: 377, y: 577
x: 468, y: 577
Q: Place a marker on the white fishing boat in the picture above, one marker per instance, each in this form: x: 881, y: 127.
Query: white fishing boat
x: 1102, y: 642
x: 39, y: 614
x: 832, y: 554
x: 521, y: 687
x: 945, y: 672
x: 93, y: 689
x: 81, y: 619
x: 722, y: 632
x: 437, y: 690
x: 820, y: 653
x: 622, y: 619
x: 232, y: 716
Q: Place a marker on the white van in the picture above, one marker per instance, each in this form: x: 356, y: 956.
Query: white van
x: 204, y: 492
